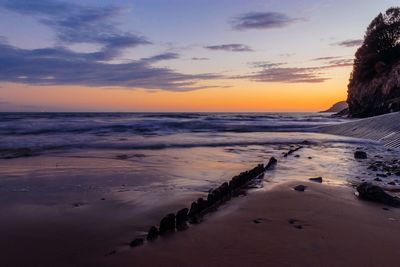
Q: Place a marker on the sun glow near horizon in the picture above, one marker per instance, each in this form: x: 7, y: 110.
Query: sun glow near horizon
x: 270, y: 56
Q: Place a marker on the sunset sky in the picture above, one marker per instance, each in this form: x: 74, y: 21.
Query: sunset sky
x: 179, y: 55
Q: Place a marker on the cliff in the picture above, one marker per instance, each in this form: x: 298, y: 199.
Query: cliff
x: 374, y: 86
x: 376, y: 96
x: 337, y: 107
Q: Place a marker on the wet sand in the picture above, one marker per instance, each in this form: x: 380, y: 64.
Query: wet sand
x: 324, y: 226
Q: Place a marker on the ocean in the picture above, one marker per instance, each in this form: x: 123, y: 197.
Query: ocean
x: 29, y: 134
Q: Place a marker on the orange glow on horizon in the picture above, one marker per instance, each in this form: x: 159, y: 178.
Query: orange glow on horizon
x: 244, y: 96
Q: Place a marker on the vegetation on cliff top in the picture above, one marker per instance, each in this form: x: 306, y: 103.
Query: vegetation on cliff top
x: 381, y: 47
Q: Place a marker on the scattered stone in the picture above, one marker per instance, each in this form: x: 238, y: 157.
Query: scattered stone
x: 397, y: 173
x: 298, y: 227
x: 381, y: 175
x: 136, y: 242
x: 300, y: 188
x: 122, y: 157
x: 292, y: 221
x: 392, y: 183
x: 378, y: 179
x: 316, y: 180
x: 360, y: 155
x: 309, y: 157
x: 387, y: 209
x: 370, y: 192
x: 257, y: 221
x: 77, y: 204
x: 152, y: 233
x: 297, y: 156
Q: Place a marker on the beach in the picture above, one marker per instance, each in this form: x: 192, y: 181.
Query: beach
x: 82, y: 204
x: 323, y: 226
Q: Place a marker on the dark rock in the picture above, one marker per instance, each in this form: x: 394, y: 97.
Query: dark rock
x: 397, y: 173
x: 370, y: 192
x: 182, y: 217
x: 298, y: 227
x: 297, y: 156
x: 392, y: 183
x: 123, y: 156
x: 378, y: 179
x: 271, y: 163
x: 210, y: 199
x: 293, y: 221
x: 381, y: 175
x: 317, y: 179
x: 257, y: 221
x: 194, y: 209
x: 194, y: 220
x: 300, y: 188
x: 167, y: 224
x: 309, y: 157
x: 360, y: 155
x: 387, y: 209
x: 201, y: 204
x: 224, y: 189
x: 152, y: 233
x: 136, y: 242
x: 78, y: 204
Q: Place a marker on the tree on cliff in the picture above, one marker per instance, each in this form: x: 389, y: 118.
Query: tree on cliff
x: 381, y: 46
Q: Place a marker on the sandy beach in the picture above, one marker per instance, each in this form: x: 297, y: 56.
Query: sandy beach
x: 82, y: 206
x: 323, y: 226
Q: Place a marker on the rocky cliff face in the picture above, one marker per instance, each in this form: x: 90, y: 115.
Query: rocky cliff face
x: 378, y: 95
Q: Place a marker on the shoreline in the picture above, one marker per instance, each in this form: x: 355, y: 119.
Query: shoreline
x: 281, y: 227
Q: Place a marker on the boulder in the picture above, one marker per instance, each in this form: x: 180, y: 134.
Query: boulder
x: 316, y: 180
x: 360, y: 154
x: 370, y: 192
x: 300, y: 188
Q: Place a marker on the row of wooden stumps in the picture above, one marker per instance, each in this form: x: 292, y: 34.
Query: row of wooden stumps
x: 199, y: 208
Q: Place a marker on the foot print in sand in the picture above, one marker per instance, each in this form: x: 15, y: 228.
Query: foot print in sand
x: 296, y: 223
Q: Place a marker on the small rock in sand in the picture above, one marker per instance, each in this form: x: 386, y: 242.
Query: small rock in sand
x: 360, y: 155
x: 392, y: 183
x: 136, y: 242
x: 316, y: 180
x: 257, y: 221
x: 78, y: 204
x: 300, y: 188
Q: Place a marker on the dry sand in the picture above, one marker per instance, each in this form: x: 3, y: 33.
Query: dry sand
x: 336, y: 229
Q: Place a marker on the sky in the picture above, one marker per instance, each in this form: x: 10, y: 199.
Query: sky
x: 179, y: 55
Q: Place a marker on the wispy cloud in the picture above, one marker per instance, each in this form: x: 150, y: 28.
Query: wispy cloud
x: 231, y: 47
x: 80, y: 24
x: 60, y: 66
x: 200, y: 58
x: 263, y: 20
x: 277, y: 72
x: 324, y: 58
x: 350, y: 43
x: 287, y: 75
